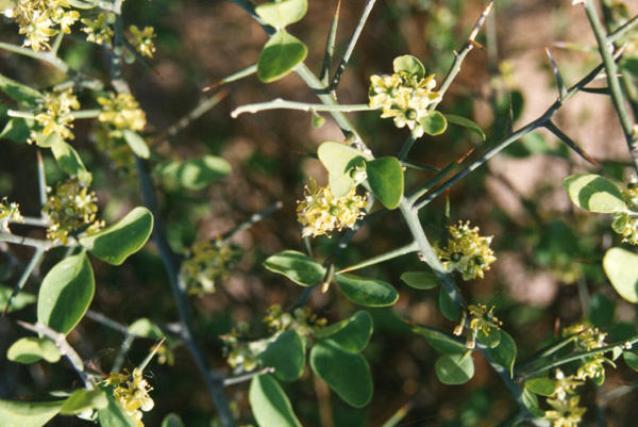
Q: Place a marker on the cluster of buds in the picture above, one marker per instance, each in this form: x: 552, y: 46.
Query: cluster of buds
x: 207, y: 262
x: 121, y: 112
x: 320, y: 212
x: 626, y: 223
x: 481, y: 321
x: 55, y: 115
x: 466, y: 251
x: 71, y: 209
x: 242, y: 355
x: 132, y: 392
x: 99, y: 29
x: 302, y: 320
x: 142, y: 40
x: 407, y: 96
x: 9, y: 212
x: 39, y: 20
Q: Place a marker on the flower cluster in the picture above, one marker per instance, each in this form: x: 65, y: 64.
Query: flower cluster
x: 99, y: 30
x: 404, y: 96
x: 320, y: 212
x: 589, y: 338
x: 55, y: 116
x: 467, y: 251
x: 8, y: 212
x: 39, y: 20
x: 302, y: 320
x: 207, y: 262
x: 71, y: 209
x: 121, y: 112
x: 565, y: 412
x: 242, y: 355
x: 481, y: 321
x: 143, y: 40
x: 626, y: 223
x: 132, y: 392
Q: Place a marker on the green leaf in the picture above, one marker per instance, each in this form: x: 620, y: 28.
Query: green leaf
x: 339, y: 159
x: 541, y: 386
x: 409, y: 64
x: 172, y: 420
x: 351, y: 334
x: 296, y: 266
x: 594, y: 193
x: 441, y: 342
x: 621, y: 267
x: 491, y: 339
x: 20, y: 301
x: 83, y: 400
x: 19, y: 92
x: 282, y: 13
x: 449, y: 309
x: 31, y: 350
x: 385, y: 176
x: 454, y: 369
x: 631, y: 359
x: 113, y: 415
x: 269, y: 403
x: 28, y: 414
x: 16, y: 130
x: 285, y: 353
x: 195, y: 174
x: 505, y: 353
x: 66, y: 293
x: 367, y: 292
x: 466, y: 123
x: 137, y: 144
x: 347, y: 374
x: 146, y: 329
x: 121, y: 240
x: 280, y: 56
x: 421, y: 280
x: 434, y: 123
x: 68, y: 159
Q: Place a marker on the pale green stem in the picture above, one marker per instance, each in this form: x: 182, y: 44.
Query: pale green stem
x: 33, y: 263
x: 403, y: 250
x: 86, y: 114
x: 241, y: 378
x: 282, y: 104
x: 241, y: 74
x: 623, y: 30
x: 45, y: 245
x: 47, y: 57
x: 21, y: 114
x: 326, y: 67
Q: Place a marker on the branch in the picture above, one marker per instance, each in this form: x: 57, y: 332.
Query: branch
x: 282, y: 104
x: 33, y: 263
x: 247, y: 376
x: 396, y: 253
x: 254, y: 219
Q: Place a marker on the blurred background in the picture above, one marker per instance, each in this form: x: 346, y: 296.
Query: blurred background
x: 548, y: 271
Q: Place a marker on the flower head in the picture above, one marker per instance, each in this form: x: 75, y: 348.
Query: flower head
x: 302, y: 320
x: 132, y: 392
x: 99, y: 30
x: 55, y: 116
x: 208, y: 262
x: 143, y: 40
x: 565, y: 412
x: 320, y: 212
x: 9, y: 212
x: 467, y: 251
x: 39, y: 20
x: 121, y: 112
x: 72, y: 209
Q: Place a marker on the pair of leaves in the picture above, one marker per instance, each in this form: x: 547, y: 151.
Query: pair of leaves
x: 385, y: 175
x: 304, y: 271
x: 30, y: 350
x: 193, y: 174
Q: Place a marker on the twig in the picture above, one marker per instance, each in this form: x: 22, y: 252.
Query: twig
x: 403, y: 250
x: 237, y: 379
x: 245, y: 72
x: 44, y: 245
x: 326, y: 66
x: 33, y: 263
x: 254, y: 219
x: 282, y: 104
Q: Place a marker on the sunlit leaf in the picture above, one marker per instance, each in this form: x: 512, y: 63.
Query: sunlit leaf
x: 269, y: 403
x: 280, y: 56
x: 339, y: 159
x: 282, y: 13
x: 28, y: 414
x: 454, y: 369
x: 84, y: 400
x: 195, y: 174
x: 296, y: 266
x: 409, y: 64
x: 434, y: 123
x: 32, y: 349
x: 594, y: 193
x: 20, y: 301
x: 137, y: 144
x: 541, y: 386
x: 621, y: 267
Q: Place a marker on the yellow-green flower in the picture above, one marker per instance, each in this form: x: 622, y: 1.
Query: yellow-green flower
x: 565, y: 413
x: 39, y: 20
x: 132, y: 392
x: 565, y: 385
x: 99, y: 30
x: 467, y: 251
x: 71, y: 209
x: 9, y: 212
x: 320, y: 212
x: 302, y: 320
x: 56, y: 115
x: 121, y: 112
x: 207, y: 262
x: 143, y: 40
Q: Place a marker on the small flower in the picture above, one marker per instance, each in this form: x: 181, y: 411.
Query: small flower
x: 302, y: 320
x: 565, y: 413
x: 72, y: 209
x: 466, y: 251
x: 99, y: 30
x: 55, y: 116
x: 9, y: 212
x: 587, y: 337
x: 143, y: 40
x: 121, y: 111
x: 481, y: 320
x: 565, y: 385
x: 320, y: 212
x: 132, y: 392
x: 39, y: 20
x: 208, y: 262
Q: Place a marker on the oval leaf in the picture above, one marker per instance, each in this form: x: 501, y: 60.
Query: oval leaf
x: 116, y: 243
x: 466, y: 123
x: 28, y: 414
x: 269, y: 403
x: 296, y: 266
x: 146, y: 329
x: 409, y: 64
x: 31, y: 349
x: 137, y: 144
x: 440, y: 341
x: 367, y: 292
x: 195, y: 174
x: 421, y: 280
x: 594, y: 193
x: 285, y: 353
x: 621, y: 267
x: 541, y: 386
x: 448, y: 308
x: 338, y: 159
x: 280, y: 56
x: 385, y: 176
x: 505, y: 353
x: 434, y: 123
x: 454, y: 369
x: 282, y: 13
x: 68, y: 159
x: 347, y: 374
x: 631, y: 359
x: 66, y: 293
x: 21, y: 300
x: 351, y: 334
x: 84, y: 400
